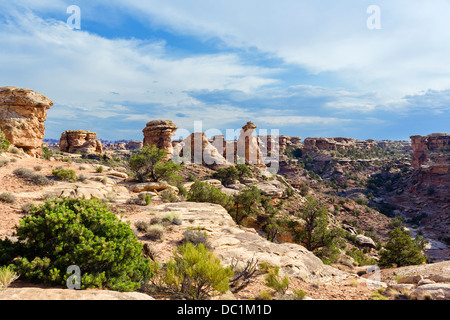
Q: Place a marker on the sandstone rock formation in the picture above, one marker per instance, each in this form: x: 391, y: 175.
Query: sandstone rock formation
x: 436, y: 144
x: 337, y: 143
x: 83, y: 141
x: 199, y: 150
x: 230, y: 241
x: 134, y: 145
x: 22, y: 116
x: 159, y: 133
x: 34, y: 293
x: 247, y: 145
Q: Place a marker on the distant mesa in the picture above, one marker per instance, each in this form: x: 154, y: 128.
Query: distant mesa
x: 22, y: 116
x: 337, y: 143
x: 82, y: 141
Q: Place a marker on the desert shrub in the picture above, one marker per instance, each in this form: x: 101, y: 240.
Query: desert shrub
x: 37, y: 168
x: 172, y: 218
x: 14, y: 150
x: 148, y: 164
x: 24, y: 173
x: 275, y: 281
x: 99, y: 169
x: 264, y: 295
x: 400, y: 251
x: 141, y: 225
x: 196, y: 237
x: 7, y: 197
x: 169, y: 195
x: 299, y: 294
x: 4, y: 143
x: 244, y: 273
x: 7, y: 276
x: 195, y: 273
x: 40, y: 180
x: 146, y: 198
x: 47, y: 153
x: 27, y: 174
x: 360, y: 258
x: 204, y: 192
x: 26, y: 207
x: 65, y: 174
x: 304, y: 189
x: 65, y: 232
x: 3, y: 162
x: 155, y: 232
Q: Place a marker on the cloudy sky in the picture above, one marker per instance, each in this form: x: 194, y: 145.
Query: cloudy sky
x: 307, y: 68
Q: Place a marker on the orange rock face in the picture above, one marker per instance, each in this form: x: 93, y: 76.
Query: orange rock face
x: 80, y: 141
x: 247, y: 145
x: 22, y: 116
x: 159, y: 133
x: 432, y: 150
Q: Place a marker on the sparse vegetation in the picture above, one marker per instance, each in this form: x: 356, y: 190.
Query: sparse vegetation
x: 4, y: 143
x: 65, y: 174
x: 193, y: 273
x: 63, y: 232
x: 7, y: 276
x: 204, y: 192
x: 7, y: 197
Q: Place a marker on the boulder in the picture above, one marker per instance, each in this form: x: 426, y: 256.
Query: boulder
x: 437, y: 291
x: 271, y: 188
x: 410, y: 279
x: 365, y: 241
x: 22, y: 116
x: 152, y: 186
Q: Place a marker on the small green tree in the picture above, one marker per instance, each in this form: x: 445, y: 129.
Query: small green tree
x: 400, y: 250
x: 85, y: 233
x: 4, y: 143
x: 204, y: 192
x: 195, y: 273
x: 275, y: 281
x: 314, y: 233
x: 149, y: 163
x: 226, y: 175
x: 246, y: 203
x: 232, y: 173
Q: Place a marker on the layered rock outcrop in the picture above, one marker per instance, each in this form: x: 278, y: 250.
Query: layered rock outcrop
x: 134, y: 145
x: 82, y: 141
x: 247, y: 145
x: 337, y: 143
x: 230, y: 242
x: 434, y: 150
x: 22, y: 116
x: 159, y: 133
x: 197, y: 148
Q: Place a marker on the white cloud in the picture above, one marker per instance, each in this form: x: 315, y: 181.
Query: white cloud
x: 410, y: 53
x: 80, y: 70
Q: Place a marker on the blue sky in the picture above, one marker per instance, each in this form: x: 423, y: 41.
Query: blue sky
x: 306, y: 68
